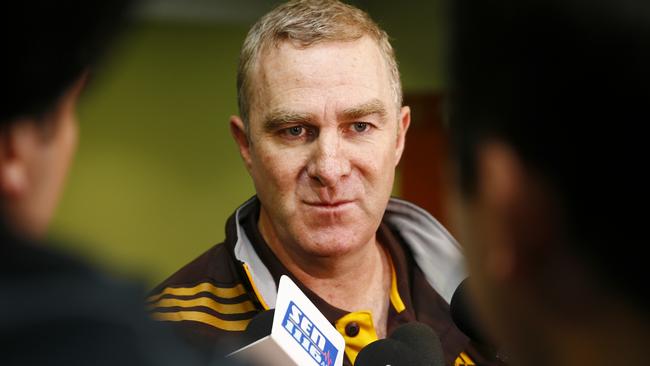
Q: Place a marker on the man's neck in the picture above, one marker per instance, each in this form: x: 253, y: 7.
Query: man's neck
x: 359, y: 280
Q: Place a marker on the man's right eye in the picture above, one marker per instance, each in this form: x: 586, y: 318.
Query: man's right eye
x: 295, y: 130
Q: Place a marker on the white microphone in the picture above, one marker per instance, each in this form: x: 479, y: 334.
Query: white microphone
x: 300, y: 335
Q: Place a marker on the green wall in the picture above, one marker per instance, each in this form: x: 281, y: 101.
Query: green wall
x: 416, y: 29
x: 157, y: 173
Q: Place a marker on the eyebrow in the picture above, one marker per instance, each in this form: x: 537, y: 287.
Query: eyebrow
x: 374, y: 106
x: 277, y: 119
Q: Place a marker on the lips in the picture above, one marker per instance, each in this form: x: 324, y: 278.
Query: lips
x: 328, y: 204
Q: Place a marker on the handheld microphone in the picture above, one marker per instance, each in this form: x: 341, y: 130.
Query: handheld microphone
x: 464, y: 316
x: 296, y: 333
x: 412, y: 344
x: 259, y: 327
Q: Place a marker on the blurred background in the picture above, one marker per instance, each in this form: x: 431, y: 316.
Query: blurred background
x: 157, y: 173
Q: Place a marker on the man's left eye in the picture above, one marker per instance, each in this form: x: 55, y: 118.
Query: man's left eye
x: 360, y: 126
x: 295, y: 131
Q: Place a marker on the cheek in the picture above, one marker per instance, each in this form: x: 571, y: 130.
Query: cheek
x: 66, y: 146
x: 71, y: 138
x: 57, y: 157
x: 476, y: 246
x: 75, y: 134
x: 376, y: 166
x: 276, y: 170
x: 471, y: 239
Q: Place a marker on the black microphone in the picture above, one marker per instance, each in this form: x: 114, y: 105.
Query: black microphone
x: 464, y: 316
x: 412, y: 344
x: 422, y: 339
x: 259, y: 327
x: 387, y: 352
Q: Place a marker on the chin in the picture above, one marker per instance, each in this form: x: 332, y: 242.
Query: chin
x: 334, y: 242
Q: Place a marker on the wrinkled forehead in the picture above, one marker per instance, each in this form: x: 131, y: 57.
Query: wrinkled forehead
x: 341, y: 73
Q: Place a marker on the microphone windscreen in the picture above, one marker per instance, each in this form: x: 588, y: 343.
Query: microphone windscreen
x: 412, y: 344
x: 423, y: 341
x: 259, y: 327
x: 386, y: 352
x: 464, y: 316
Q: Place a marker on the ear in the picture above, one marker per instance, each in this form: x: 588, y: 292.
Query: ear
x: 518, y: 214
x: 402, y: 127
x: 35, y: 154
x: 238, y: 131
x: 17, y: 143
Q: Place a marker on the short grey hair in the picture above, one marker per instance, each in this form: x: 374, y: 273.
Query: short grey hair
x: 305, y: 23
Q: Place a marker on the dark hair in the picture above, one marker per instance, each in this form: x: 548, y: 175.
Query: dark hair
x: 566, y: 84
x: 46, y: 46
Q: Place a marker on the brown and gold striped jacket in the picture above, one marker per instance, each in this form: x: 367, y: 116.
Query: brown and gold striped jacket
x: 213, y: 298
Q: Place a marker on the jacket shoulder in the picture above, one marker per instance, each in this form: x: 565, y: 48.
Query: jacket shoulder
x: 208, y: 295
x: 216, y: 266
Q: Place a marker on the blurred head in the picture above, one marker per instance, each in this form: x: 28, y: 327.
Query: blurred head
x: 48, y: 49
x: 322, y: 127
x: 547, y: 99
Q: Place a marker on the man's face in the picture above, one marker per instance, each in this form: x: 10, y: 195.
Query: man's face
x: 35, y: 161
x: 509, y: 233
x: 325, y: 137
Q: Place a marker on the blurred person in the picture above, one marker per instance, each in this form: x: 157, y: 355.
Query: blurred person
x: 550, y: 100
x: 321, y: 130
x: 55, y: 310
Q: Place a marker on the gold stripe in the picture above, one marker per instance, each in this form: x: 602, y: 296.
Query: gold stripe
x: 197, y: 316
x: 395, y: 298
x: 257, y: 293
x: 465, y: 359
x: 207, y: 302
x: 223, y: 292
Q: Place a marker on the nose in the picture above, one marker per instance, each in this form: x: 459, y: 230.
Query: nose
x: 328, y: 163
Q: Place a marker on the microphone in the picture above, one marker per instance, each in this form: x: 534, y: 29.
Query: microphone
x: 387, y: 352
x: 412, y: 344
x: 464, y: 316
x: 295, y: 333
x: 259, y: 327
x: 423, y: 340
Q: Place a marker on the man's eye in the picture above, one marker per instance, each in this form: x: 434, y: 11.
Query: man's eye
x: 360, y: 126
x: 295, y: 131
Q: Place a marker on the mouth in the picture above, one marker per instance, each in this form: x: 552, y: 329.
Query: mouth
x: 329, y: 204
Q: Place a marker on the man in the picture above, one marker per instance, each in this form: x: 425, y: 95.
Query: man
x: 550, y: 99
x: 55, y: 310
x: 322, y: 128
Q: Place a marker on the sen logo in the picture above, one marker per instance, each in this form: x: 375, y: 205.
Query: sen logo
x: 309, y: 336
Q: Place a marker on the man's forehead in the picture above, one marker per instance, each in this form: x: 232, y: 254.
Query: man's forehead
x: 288, y: 75
x: 323, y: 59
